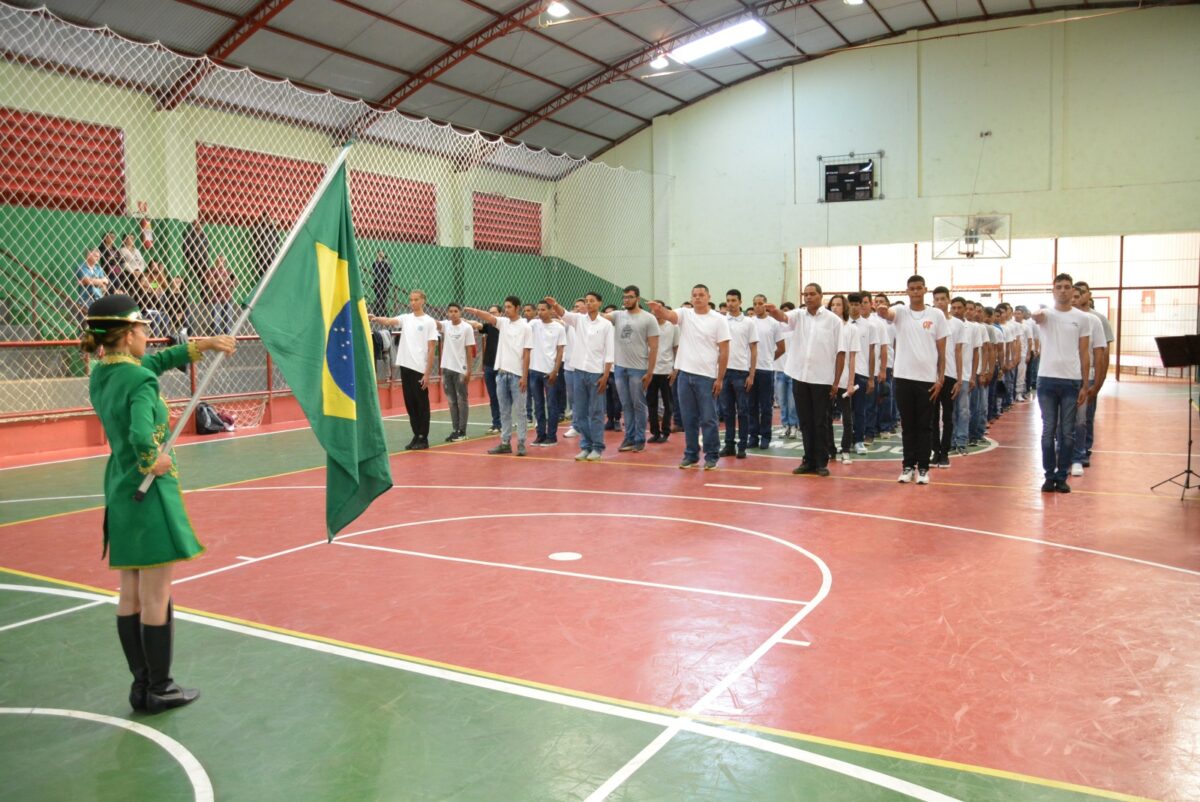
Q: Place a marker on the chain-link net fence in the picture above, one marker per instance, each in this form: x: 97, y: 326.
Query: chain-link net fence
x: 127, y: 167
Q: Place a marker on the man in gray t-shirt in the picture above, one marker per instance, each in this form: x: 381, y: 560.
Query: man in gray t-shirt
x: 635, y: 337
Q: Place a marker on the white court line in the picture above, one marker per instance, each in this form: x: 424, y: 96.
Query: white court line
x: 48, y: 616
x: 48, y: 498
x: 660, y: 585
x: 248, y: 561
x: 540, y: 695
x: 775, y: 505
x: 795, y: 642
x: 733, y: 487
x: 1109, y: 451
x: 197, y: 776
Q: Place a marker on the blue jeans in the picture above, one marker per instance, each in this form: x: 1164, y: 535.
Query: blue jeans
x: 761, y: 413
x: 786, y: 400
x: 962, y: 416
x: 869, y: 402
x: 735, y: 401
x: 589, y: 410
x: 676, y: 415
x: 223, y: 317
x: 699, y: 411
x: 889, y: 413
x: 1057, y: 399
x: 1010, y: 387
x: 559, y: 391
x: 511, y: 398
x: 489, y: 381
x: 979, y: 412
x: 1032, y: 371
x: 545, y: 405
x: 568, y: 383
x: 860, y: 403
x: 1085, y: 423
x: 633, y: 403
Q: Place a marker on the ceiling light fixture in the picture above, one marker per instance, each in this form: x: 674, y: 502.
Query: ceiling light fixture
x: 660, y: 62
x: 726, y: 37
x: 558, y: 10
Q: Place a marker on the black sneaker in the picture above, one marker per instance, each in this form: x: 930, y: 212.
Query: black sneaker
x: 822, y: 471
x: 728, y: 451
x: 420, y: 444
x: 741, y: 453
x: 1087, y: 463
x: 1049, y: 486
x: 804, y: 468
x: 502, y: 448
x: 1061, y: 486
x: 451, y: 437
x: 410, y: 444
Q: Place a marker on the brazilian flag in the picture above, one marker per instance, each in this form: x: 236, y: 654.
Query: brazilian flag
x: 312, y: 318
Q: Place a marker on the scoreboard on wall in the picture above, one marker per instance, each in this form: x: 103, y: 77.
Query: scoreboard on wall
x: 850, y: 181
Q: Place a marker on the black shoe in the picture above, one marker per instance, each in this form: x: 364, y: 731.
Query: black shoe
x: 1087, y: 463
x: 450, y: 438
x: 822, y: 471
x: 804, y: 469
x: 411, y: 444
x: 741, y: 452
x: 163, y: 693
x: 1061, y: 486
x: 502, y: 448
x: 1049, y: 486
x: 420, y: 444
x: 728, y: 451
x: 129, y: 630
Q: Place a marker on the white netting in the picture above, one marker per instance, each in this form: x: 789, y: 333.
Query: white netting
x: 199, y: 171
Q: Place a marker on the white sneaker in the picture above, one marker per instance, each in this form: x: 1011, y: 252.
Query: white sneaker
x: 581, y: 456
x: 860, y: 448
x: 846, y: 458
x: 1077, y: 469
x: 571, y: 432
x: 594, y: 456
x: 922, y: 477
x: 907, y: 476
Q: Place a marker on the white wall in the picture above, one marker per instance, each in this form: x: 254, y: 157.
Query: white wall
x: 1095, y: 130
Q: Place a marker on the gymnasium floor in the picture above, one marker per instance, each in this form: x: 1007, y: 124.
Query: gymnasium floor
x: 743, y: 634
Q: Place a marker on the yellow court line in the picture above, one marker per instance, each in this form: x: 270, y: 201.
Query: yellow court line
x: 626, y: 703
x: 753, y: 471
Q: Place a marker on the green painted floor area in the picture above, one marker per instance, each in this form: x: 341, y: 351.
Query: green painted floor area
x: 279, y: 721
x: 201, y: 464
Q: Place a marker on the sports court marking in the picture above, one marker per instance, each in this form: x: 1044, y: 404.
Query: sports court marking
x: 719, y: 500
x: 674, y: 722
x: 732, y: 487
x: 197, y: 776
x: 51, y: 615
x: 796, y: 642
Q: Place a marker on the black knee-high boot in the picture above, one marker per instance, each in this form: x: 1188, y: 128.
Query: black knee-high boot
x: 129, y: 630
x: 163, y: 693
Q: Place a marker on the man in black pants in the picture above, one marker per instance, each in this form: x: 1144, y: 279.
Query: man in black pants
x: 920, y: 368
x: 812, y: 360
x: 942, y: 431
x: 414, y: 353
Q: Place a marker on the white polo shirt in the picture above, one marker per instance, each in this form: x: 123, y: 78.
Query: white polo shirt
x: 455, y: 340
x: 812, y: 345
x: 862, y: 365
x: 546, y: 339
x: 848, y: 343
x: 516, y: 337
x: 769, y: 333
x: 700, y: 337
x: 917, y: 334
x: 416, y: 332
x: 594, y: 342
x: 742, y: 333
x: 1061, y: 333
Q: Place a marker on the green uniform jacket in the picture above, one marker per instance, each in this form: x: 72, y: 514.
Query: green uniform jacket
x: 125, y: 395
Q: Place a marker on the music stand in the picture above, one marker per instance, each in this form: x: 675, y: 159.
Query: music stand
x: 1182, y: 352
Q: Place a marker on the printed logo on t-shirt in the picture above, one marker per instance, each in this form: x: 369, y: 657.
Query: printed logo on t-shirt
x: 927, y: 324
x: 627, y: 332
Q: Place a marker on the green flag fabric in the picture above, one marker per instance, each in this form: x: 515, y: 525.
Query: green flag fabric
x: 312, y: 317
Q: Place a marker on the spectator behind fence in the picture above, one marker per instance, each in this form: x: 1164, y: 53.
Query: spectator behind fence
x: 132, y: 261
x: 264, y: 242
x: 381, y: 283
x: 219, y: 284
x: 92, y: 281
x: 148, y: 293
x: 110, y: 261
x: 195, y: 252
x: 177, y: 307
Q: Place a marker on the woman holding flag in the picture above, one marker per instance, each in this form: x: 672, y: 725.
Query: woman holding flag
x: 143, y: 539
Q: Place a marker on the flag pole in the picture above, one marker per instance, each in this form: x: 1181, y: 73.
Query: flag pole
x: 205, y: 380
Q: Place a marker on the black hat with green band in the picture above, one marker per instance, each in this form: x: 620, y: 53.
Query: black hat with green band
x: 112, y: 312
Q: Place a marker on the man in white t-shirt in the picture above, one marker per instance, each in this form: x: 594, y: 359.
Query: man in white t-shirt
x: 920, y: 371
x: 740, y: 372
x: 1102, y: 336
x: 770, y: 336
x: 701, y: 361
x: 982, y: 345
x: 813, y: 361
x: 870, y: 337
x: 659, y: 391
x: 889, y: 412
x: 1065, y: 336
x: 418, y: 333
x: 945, y: 411
x: 545, y: 366
x: 567, y: 391
x: 635, y: 335
x: 592, y: 355
x: 967, y: 381
x: 458, y: 353
x: 512, y: 372
x: 1021, y: 318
